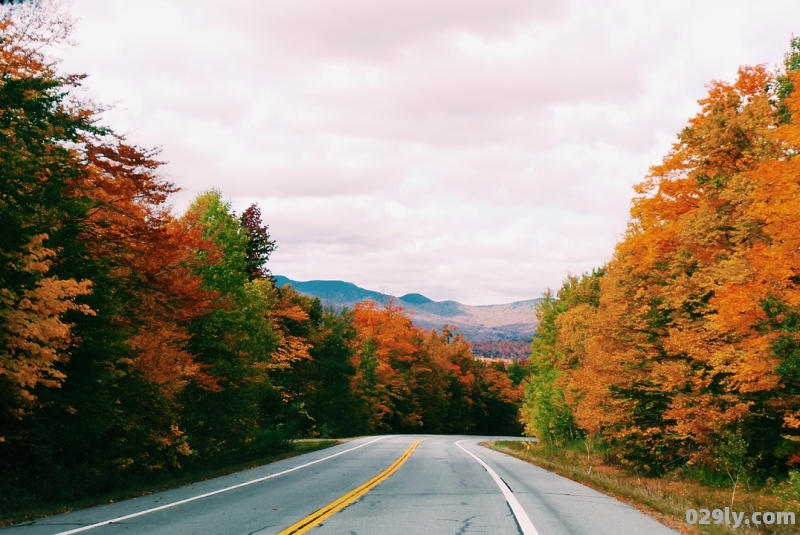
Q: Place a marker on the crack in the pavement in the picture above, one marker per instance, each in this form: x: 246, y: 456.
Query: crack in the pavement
x: 516, y: 522
x: 259, y: 530
x: 35, y: 523
x: 465, y: 524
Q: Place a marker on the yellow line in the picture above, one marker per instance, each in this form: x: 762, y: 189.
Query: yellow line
x: 317, y: 517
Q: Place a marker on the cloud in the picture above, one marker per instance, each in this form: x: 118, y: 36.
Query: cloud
x: 465, y: 150
x: 375, y: 31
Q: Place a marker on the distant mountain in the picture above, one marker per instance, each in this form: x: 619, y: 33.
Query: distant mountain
x: 336, y: 293
x: 511, y: 321
x: 415, y: 299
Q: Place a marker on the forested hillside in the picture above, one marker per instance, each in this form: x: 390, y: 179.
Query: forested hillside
x: 136, y: 341
x: 684, y: 350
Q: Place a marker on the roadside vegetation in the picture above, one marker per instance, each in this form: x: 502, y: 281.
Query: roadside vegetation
x: 671, y: 375
x: 666, y: 498
x: 65, y: 499
x: 139, y: 346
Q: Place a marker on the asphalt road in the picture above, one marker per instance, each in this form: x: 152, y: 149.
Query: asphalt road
x: 438, y: 488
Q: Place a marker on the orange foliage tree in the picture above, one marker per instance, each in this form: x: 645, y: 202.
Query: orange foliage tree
x: 36, y: 169
x: 410, y: 380
x: 152, y: 256
x: 389, y: 347
x: 694, y: 342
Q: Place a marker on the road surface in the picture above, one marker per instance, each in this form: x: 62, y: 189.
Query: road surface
x: 420, y: 485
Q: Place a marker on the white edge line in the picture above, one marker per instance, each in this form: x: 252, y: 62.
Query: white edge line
x: 207, y: 494
x: 522, y: 517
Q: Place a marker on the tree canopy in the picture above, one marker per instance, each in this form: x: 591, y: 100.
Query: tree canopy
x: 688, y: 337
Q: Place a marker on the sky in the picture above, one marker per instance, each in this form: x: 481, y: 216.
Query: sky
x: 468, y: 150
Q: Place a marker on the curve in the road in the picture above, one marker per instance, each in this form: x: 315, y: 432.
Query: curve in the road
x: 524, y: 522
x: 439, y: 488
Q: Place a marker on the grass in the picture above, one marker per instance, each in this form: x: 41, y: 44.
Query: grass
x: 667, y: 498
x: 163, y: 482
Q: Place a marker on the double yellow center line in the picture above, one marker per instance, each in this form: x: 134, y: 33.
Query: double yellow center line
x: 317, y: 517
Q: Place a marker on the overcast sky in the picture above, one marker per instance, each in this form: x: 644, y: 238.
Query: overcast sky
x: 470, y: 150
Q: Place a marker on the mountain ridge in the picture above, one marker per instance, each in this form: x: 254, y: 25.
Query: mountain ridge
x: 508, y: 321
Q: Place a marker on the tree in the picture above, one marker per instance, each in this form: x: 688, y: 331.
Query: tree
x: 497, y: 400
x: 259, y: 245
x: 98, y: 285
x: 36, y: 127
x: 388, y: 336
x: 235, y: 340
x: 324, y: 379
x: 694, y: 337
x: 557, y: 351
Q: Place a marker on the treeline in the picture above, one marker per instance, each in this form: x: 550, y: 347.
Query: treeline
x: 135, y: 342
x: 685, y: 348
x: 503, y: 349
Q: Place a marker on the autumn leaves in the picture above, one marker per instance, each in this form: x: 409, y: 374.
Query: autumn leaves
x: 408, y: 379
x: 688, y: 338
x: 135, y: 342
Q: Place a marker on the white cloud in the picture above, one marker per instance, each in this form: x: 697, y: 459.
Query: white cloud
x: 462, y: 149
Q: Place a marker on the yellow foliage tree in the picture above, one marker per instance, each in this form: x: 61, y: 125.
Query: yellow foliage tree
x: 36, y: 337
x: 695, y: 338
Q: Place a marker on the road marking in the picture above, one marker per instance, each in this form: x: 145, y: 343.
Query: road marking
x: 213, y: 493
x: 317, y: 517
x: 524, y: 522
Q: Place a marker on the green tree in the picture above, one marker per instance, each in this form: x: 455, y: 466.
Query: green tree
x: 259, y: 244
x: 234, y: 340
x: 330, y: 373
x: 557, y: 348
